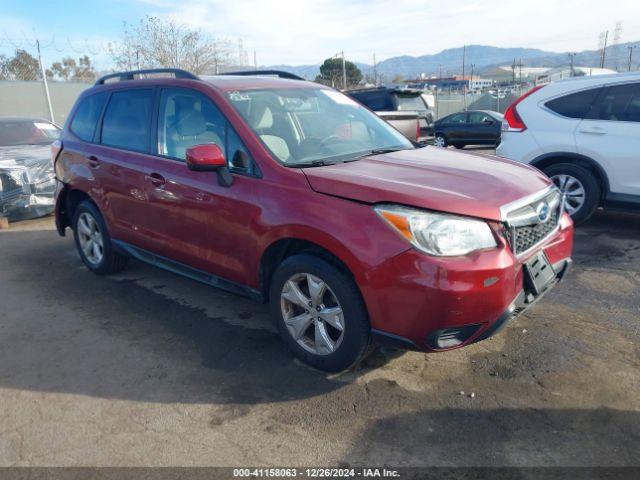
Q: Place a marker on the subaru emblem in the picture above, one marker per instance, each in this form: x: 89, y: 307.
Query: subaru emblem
x: 543, y: 211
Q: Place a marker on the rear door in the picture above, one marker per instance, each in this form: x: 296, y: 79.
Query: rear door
x: 611, y: 136
x: 120, y: 156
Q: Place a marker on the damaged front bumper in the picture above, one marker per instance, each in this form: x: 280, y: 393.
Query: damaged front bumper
x: 27, y: 187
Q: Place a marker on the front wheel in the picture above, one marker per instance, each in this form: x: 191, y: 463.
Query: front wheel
x: 579, y: 187
x: 440, y: 140
x: 320, y: 313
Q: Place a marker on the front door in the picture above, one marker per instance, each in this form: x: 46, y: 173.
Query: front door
x: 483, y: 128
x: 195, y: 220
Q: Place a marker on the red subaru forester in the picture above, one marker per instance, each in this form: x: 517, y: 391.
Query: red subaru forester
x: 290, y: 192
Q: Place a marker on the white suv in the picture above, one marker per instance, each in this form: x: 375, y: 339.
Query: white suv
x: 584, y: 133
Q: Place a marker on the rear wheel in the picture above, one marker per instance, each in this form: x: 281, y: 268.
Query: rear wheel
x: 93, y: 241
x: 579, y: 187
x: 320, y: 313
x: 440, y: 140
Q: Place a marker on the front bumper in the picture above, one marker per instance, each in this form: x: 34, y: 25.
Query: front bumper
x: 413, y: 298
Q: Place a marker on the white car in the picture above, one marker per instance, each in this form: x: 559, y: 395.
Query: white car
x: 584, y: 133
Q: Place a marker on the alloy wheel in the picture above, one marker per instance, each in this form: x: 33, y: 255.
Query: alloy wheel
x: 90, y: 238
x: 439, y: 142
x: 312, y: 314
x: 573, y: 191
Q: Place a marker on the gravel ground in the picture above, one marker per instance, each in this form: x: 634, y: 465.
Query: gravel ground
x: 148, y: 368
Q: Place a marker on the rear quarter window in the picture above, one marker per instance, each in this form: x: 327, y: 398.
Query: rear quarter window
x: 574, y: 105
x: 86, y: 118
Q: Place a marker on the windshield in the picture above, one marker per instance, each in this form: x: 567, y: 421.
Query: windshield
x: 27, y: 132
x: 410, y: 102
x: 307, y: 126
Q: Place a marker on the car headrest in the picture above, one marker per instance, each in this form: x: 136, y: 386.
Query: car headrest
x: 190, y: 122
x: 260, y: 115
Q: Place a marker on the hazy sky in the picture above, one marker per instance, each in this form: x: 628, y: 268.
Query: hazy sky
x: 306, y: 32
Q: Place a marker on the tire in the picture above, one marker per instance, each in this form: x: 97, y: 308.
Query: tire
x: 440, y: 141
x: 109, y: 261
x: 564, y: 174
x: 350, y: 345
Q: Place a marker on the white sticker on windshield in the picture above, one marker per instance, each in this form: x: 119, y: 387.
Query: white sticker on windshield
x: 339, y: 97
x: 236, y: 96
x: 45, y: 126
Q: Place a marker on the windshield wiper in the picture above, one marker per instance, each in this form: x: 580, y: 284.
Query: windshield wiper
x: 312, y: 163
x: 375, y: 151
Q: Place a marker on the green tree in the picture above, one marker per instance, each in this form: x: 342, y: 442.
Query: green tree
x: 22, y: 66
x: 69, y: 69
x: 331, y: 73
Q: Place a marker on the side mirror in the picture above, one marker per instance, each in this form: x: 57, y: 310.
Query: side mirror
x: 205, y: 158
x: 488, y: 122
x: 209, y: 158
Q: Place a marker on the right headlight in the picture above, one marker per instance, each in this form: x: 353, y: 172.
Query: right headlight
x: 438, y: 234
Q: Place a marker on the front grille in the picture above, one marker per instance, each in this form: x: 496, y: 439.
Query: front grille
x: 528, y: 236
x: 530, y: 220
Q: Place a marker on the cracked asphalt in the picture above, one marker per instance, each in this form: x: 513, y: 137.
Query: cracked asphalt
x: 146, y: 368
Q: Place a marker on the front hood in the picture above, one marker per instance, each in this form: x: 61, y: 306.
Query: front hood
x: 433, y: 178
x: 25, y: 154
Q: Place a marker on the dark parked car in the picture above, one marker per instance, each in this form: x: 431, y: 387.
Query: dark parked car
x: 473, y: 127
x: 384, y: 99
x: 27, y: 183
x: 291, y: 192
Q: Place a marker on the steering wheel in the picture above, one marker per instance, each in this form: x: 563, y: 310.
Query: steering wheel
x: 332, y: 139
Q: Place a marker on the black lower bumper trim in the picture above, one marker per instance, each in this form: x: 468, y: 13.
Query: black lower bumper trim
x: 391, y: 340
x: 524, y: 301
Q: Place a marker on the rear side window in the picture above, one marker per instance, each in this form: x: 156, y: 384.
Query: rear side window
x: 127, y: 119
x: 621, y: 104
x: 376, y: 101
x: 410, y: 102
x: 574, y: 105
x: 456, y: 118
x: 86, y: 117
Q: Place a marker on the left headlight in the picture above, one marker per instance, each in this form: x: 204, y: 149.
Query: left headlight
x: 437, y: 233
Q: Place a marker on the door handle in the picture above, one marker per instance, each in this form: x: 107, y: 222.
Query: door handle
x: 156, y: 179
x: 94, y: 162
x: 593, y: 130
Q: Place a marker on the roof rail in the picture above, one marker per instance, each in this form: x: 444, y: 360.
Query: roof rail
x: 277, y: 73
x: 178, y: 73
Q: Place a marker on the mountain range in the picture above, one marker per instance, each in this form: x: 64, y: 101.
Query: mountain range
x: 483, y: 57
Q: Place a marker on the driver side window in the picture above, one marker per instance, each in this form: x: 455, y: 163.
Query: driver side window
x: 187, y: 118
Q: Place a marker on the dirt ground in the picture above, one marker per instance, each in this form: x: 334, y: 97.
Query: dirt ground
x: 147, y: 368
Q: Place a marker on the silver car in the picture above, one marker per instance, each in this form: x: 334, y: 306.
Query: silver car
x: 27, y: 182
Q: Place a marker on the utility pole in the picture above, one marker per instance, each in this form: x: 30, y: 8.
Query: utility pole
x: 464, y: 86
x: 344, y: 72
x: 440, y: 67
x: 46, y: 85
x: 571, y: 57
x: 604, y: 49
x: 631, y: 47
x: 464, y: 55
x: 471, y: 81
x: 513, y: 71
x: 255, y: 61
x: 375, y: 71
